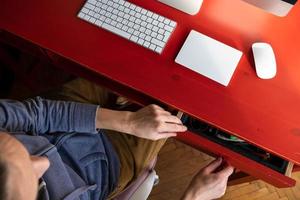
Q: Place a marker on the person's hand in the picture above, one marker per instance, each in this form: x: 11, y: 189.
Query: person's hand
x: 151, y: 122
x: 154, y: 123
x: 208, y: 184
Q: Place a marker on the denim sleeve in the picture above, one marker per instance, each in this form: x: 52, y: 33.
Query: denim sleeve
x: 39, y: 116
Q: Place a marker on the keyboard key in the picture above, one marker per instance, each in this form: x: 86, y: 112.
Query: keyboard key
x: 152, y: 47
x: 127, y: 4
x: 155, y: 28
x: 125, y: 28
x: 158, y: 49
x: 89, y: 6
x: 92, y: 20
x: 160, y: 37
x: 138, y: 15
x: 153, y: 34
x: 160, y: 18
x: 168, y: 28
x: 149, y: 13
x: 126, y: 10
x: 114, y: 17
x: 104, y: 6
x: 132, y: 6
x: 81, y: 15
x: 132, y: 12
x: 130, y: 30
x: 108, y: 20
x: 146, y: 44
x: 149, y: 20
x: 136, y: 33
x: 119, y: 25
x: 86, y: 17
x: 167, y: 21
x: 136, y: 27
x: 138, y: 21
x: 138, y: 9
x: 141, y: 41
x: 116, y: 31
x: 134, y: 38
x: 110, y: 9
x: 115, y: 5
x: 157, y: 42
x: 84, y: 10
x: 155, y: 16
x: 131, y: 24
x: 121, y: 8
x: 165, y: 39
x: 98, y: 23
x: 142, y: 35
x: 173, y: 24
x: 93, y: 2
x: 161, y: 31
x: 161, y: 25
x: 149, y: 26
x: 132, y: 19
x: 142, y: 29
x: 148, y: 38
x: 113, y: 23
x: 115, y: 12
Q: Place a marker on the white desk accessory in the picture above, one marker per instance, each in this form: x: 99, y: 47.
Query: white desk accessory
x: 265, y: 63
x: 129, y: 21
x: 191, y: 7
x: 209, y: 57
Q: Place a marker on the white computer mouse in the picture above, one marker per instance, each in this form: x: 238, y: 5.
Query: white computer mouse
x: 191, y: 7
x: 264, y: 58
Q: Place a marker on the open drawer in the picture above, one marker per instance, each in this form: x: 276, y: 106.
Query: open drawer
x: 239, y: 153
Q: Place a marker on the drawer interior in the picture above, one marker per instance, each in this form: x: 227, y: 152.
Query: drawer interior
x: 235, y: 144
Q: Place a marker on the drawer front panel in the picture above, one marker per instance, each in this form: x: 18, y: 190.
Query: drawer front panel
x: 237, y: 160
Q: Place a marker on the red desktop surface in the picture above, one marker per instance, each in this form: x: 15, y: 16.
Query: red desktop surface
x: 264, y: 112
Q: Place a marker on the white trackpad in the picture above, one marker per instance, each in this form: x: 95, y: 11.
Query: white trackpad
x: 209, y: 57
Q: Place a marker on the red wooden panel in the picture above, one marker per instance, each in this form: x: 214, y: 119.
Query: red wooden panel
x: 238, y: 161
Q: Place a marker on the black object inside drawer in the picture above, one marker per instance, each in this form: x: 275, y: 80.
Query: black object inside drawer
x: 235, y: 144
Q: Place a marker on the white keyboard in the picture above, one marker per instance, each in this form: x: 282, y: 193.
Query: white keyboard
x: 132, y: 22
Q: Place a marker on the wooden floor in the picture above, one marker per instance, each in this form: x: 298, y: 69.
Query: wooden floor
x: 178, y: 163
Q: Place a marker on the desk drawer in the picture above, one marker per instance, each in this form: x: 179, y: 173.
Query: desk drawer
x: 241, y: 154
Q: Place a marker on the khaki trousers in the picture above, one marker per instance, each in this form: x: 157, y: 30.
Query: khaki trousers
x: 134, y: 153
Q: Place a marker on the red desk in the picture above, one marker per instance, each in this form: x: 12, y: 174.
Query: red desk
x: 263, y: 112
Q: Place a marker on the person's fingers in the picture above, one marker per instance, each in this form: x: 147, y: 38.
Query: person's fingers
x: 163, y: 112
x: 170, y: 119
x: 40, y: 165
x: 212, y: 166
x: 171, y: 127
x: 156, y: 107
x: 166, y: 135
x: 226, y: 172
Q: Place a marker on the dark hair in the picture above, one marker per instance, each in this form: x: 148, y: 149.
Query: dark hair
x: 3, y: 180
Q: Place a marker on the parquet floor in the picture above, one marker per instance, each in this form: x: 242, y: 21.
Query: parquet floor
x: 178, y: 163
